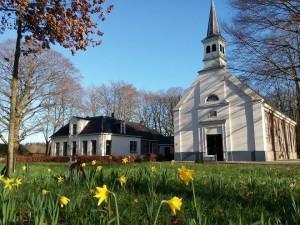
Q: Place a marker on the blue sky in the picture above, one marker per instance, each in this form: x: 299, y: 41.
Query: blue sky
x: 153, y: 44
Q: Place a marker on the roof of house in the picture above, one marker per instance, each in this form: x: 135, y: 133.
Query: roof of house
x: 104, y: 124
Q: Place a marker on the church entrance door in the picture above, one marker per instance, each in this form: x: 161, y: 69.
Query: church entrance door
x: 215, y: 146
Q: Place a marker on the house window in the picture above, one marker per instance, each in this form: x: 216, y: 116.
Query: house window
x: 74, y: 148
x: 212, y: 98
x: 213, y: 114
x: 85, y: 147
x: 214, y: 47
x: 94, y: 145
x: 207, y: 49
x: 133, y: 146
x: 65, y: 149
x: 74, y: 129
x: 57, y: 146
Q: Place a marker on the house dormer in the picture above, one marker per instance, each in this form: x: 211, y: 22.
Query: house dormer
x: 76, y: 125
x: 122, y: 127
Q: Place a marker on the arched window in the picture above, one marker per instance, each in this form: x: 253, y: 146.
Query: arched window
x: 213, y: 114
x: 214, y: 47
x: 212, y: 98
x: 207, y: 49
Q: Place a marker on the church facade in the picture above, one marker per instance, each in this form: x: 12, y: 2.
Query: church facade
x: 219, y: 117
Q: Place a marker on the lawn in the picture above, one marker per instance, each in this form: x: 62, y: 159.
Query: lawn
x: 225, y: 194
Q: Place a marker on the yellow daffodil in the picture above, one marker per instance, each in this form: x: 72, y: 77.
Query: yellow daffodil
x: 49, y: 170
x: 94, y: 162
x: 101, y: 194
x: 174, y: 203
x: 17, y: 182
x: 83, y: 165
x: 8, y: 183
x: 98, y: 168
x: 122, y: 180
x: 60, y: 180
x: 153, y: 169
x: 172, y: 162
x: 63, y: 201
x: 292, y: 186
x: 24, y: 168
x: 185, y: 175
x: 45, y: 192
x: 125, y: 160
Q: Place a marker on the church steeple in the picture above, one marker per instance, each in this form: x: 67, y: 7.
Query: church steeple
x: 214, y: 43
x: 213, y: 24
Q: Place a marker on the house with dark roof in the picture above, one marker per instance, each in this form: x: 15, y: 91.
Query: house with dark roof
x: 104, y: 135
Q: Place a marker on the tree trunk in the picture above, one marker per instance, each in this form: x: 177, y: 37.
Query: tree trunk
x: 13, y: 102
x: 47, y: 147
x: 17, y: 134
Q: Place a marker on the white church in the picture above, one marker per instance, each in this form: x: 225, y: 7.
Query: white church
x: 223, y: 119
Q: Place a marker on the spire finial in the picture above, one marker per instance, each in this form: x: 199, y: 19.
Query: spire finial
x: 213, y: 24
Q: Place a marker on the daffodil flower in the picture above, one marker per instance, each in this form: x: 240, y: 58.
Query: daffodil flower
x: 153, y: 169
x: 101, y: 194
x: 125, y: 160
x: 175, y: 204
x: 63, y: 201
x: 185, y: 175
x: 60, y: 180
x: 94, y: 162
x: 17, y: 182
x: 122, y: 180
x: 8, y: 183
x: 99, y: 168
x: 45, y: 192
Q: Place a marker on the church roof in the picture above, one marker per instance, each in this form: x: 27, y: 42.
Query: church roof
x: 213, y: 24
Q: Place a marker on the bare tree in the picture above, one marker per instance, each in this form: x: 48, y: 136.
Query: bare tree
x: 38, y: 72
x: 92, y: 102
x: 72, y: 24
x: 63, y: 102
x: 156, y: 109
x: 118, y: 97
x: 266, y: 50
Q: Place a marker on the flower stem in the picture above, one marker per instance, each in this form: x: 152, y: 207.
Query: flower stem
x: 194, y: 195
x: 156, y: 217
x: 117, y: 208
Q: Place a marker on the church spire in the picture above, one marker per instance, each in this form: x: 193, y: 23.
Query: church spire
x: 213, y: 24
x: 214, y: 43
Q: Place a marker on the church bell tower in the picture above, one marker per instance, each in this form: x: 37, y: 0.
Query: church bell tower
x: 214, y: 43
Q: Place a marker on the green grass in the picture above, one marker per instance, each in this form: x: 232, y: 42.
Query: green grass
x: 226, y: 194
